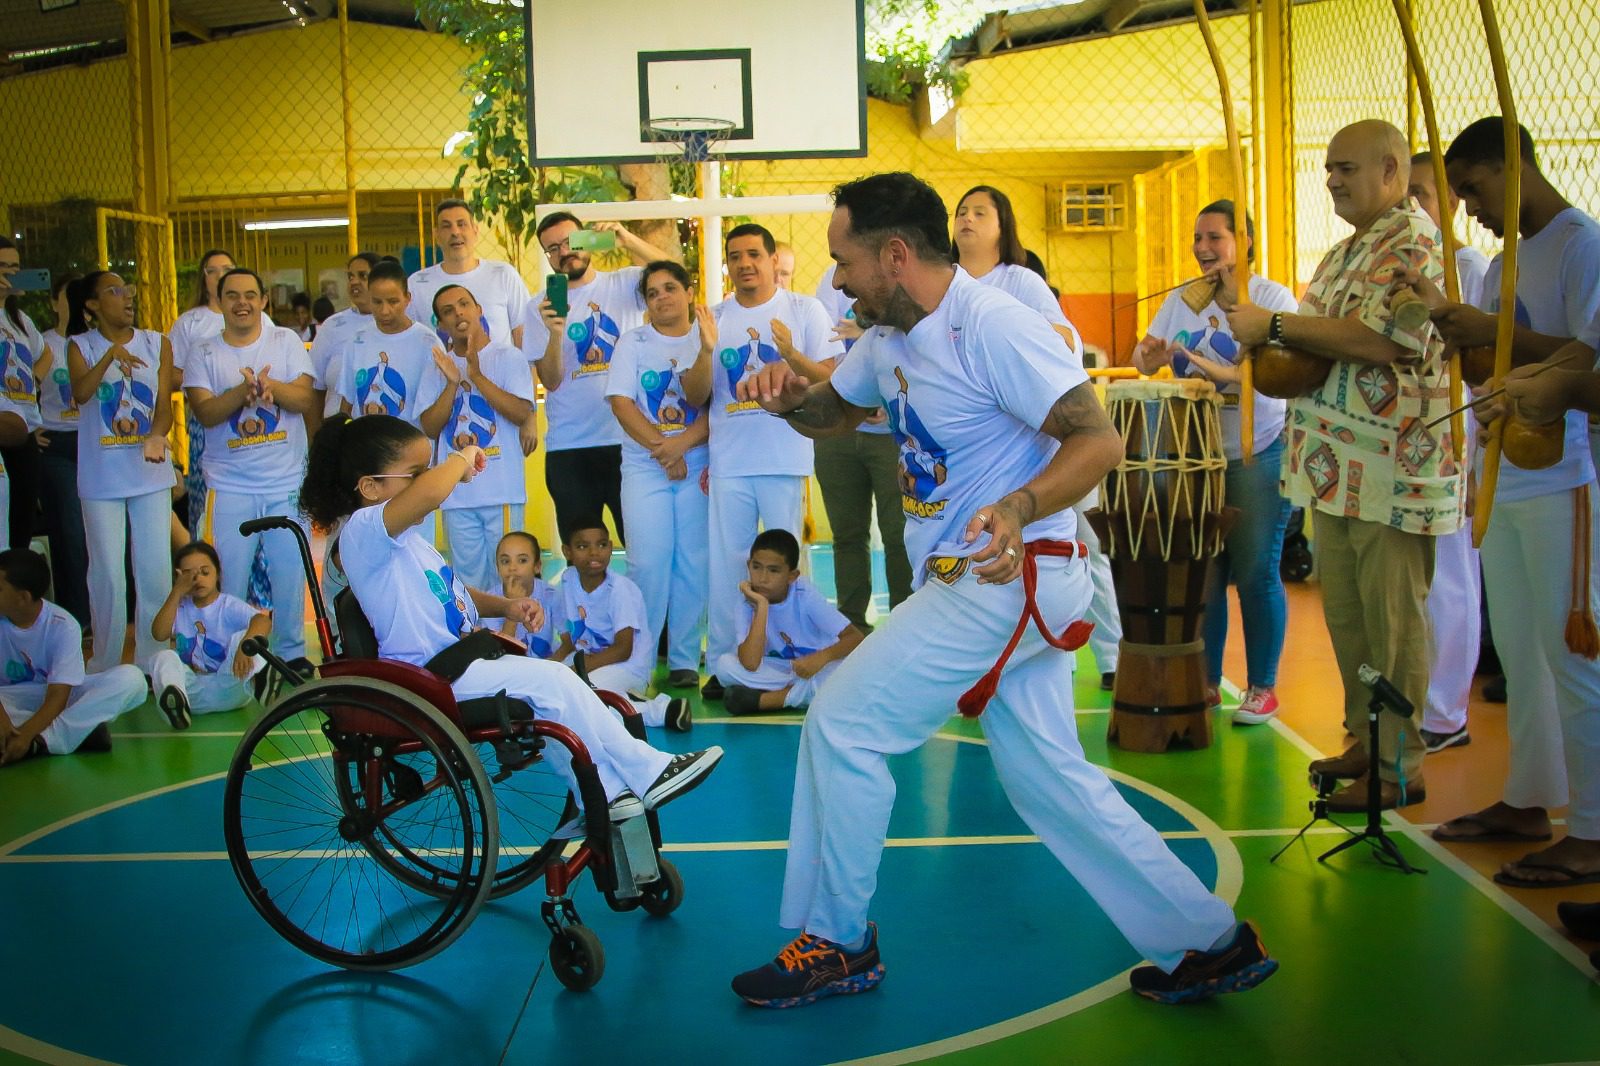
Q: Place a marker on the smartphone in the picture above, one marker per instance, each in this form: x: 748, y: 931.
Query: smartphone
x: 37, y: 280
x: 555, y: 290
x: 589, y: 240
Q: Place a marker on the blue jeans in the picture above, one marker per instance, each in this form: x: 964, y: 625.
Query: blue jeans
x: 1250, y: 558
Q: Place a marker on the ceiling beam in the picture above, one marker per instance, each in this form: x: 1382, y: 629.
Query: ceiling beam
x: 185, y: 24
x: 1120, y: 12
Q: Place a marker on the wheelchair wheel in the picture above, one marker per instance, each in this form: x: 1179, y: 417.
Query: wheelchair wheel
x: 664, y: 896
x: 341, y: 804
x: 532, y: 803
x: 577, y: 957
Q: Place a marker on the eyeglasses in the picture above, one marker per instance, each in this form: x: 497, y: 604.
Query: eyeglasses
x: 118, y: 290
x: 557, y: 249
x: 380, y: 477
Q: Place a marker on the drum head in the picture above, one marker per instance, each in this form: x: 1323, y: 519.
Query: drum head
x: 1193, y: 389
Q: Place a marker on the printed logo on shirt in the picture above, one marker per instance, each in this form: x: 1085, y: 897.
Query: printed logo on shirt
x: 17, y: 362
x: 582, y: 636
x: 746, y: 359
x: 664, y: 401
x: 63, y: 383
x: 790, y: 651
x: 472, y: 421
x: 594, y: 339
x: 947, y: 568
x: 126, y: 407
x: 256, y: 423
x: 442, y: 583
x: 1210, y: 336
x: 922, y: 459
x: 23, y: 672
x: 380, y: 390
x: 199, y: 652
x: 538, y: 647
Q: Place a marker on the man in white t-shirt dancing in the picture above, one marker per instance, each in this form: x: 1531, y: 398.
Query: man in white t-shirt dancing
x: 1019, y: 436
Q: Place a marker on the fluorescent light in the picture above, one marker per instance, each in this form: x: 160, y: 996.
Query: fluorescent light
x: 298, y: 223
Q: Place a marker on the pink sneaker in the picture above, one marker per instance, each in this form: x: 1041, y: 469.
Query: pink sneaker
x: 1259, y: 705
x: 1213, y: 698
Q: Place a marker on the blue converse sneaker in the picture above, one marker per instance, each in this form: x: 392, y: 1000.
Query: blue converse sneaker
x: 809, y: 969
x: 1242, y: 964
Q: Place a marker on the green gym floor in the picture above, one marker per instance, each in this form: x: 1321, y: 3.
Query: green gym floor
x: 128, y: 939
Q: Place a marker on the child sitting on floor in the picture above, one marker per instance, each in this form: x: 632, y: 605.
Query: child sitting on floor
x: 791, y: 638
x: 51, y: 706
x: 207, y: 672
x: 604, y: 615
x: 520, y: 564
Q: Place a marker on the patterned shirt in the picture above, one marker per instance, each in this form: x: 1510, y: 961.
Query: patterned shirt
x: 1359, y: 445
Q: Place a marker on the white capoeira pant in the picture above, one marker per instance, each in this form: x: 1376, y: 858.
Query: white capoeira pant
x: 473, y: 534
x: 5, y: 508
x: 1106, y: 639
x: 668, y: 555
x: 616, y: 677
x: 224, y: 512
x: 100, y: 698
x: 741, y: 507
x: 558, y: 695
x: 1454, y: 613
x: 895, y: 691
x: 1552, y: 695
x: 774, y: 674
x: 206, y: 693
x: 109, y: 526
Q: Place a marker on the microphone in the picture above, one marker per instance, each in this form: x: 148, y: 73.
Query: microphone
x: 1386, y: 693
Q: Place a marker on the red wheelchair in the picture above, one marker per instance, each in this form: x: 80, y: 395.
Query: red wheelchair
x: 370, y: 814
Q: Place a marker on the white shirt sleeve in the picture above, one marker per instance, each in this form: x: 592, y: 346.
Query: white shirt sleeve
x: 1580, y: 282
x: 512, y: 373
x: 197, y: 375
x: 624, y: 366
x: 1034, y: 292
x: 1027, y: 365
x: 1161, y: 325
x: 296, y: 360
x: 818, y: 339
x: 853, y: 378
x: 517, y: 297
x: 824, y: 616
x: 627, y: 607
x: 65, y: 651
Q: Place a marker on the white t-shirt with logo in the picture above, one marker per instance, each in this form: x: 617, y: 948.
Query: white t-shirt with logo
x: 593, y: 619
x: 967, y: 390
x: 1558, y: 294
x: 648, y: 369
x: 840, y: 307
x: 803, y: 623
x: 112, y: 426
x: 260, y: 448
x: 49, y: 652
x: 415, y: 602
x: 20, y: 348
x: 1471, y: 266
x: 496, y: 285
x: 473, y: 420
x: 57, y: 411
x: 327, y: 350
x: 745, y: 440
x: 598, y: 315
x: 203, y: 634
x: 1207, y: 333
x: 1032, y: 291
x: 381, y: 373
x: 193, y: 326
x: 542, y: 643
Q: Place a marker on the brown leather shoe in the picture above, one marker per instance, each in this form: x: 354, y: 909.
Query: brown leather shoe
x: 1353, y: 763
x: 1352, y: 798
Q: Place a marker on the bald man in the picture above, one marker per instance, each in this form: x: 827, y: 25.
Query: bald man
x: 1380, y: 486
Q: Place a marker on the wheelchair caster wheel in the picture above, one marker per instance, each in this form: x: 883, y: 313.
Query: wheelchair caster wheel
x: 577, y: 958
x: 662, y: 897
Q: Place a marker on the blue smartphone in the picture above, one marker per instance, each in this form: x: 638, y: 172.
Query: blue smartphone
x: 37, y: 280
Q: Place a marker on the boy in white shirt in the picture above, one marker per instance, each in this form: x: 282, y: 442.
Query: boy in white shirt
x: 207, y: 672
x: 791, y: 638
x: 480, y: 392
x: 604, y: 614
x: 382, y: 368
x: 51, y: 706
x: 520, y: 563
x: 337, y: 331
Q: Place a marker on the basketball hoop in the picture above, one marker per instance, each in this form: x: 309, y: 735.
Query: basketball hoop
x: 695, y: 138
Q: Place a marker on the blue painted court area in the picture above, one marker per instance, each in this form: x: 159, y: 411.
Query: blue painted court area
x: 974, y: 931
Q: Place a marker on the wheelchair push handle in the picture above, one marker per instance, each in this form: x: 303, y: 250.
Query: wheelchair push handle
x: 319, y: 609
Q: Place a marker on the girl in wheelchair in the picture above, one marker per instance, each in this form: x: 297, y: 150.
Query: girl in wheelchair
x: 374, y: 473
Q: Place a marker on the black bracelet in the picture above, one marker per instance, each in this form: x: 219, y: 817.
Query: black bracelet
x: 1275, y: 329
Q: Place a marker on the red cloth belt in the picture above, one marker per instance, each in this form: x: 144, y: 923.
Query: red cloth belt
x: 976, y: 698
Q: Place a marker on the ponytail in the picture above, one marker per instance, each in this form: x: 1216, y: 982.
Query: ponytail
x: 344, y: 451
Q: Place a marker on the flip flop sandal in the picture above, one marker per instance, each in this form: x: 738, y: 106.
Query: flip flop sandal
x: 1491, y: 836
x: 1572, y: 877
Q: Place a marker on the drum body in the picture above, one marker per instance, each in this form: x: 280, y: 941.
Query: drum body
x: 1161, y: 522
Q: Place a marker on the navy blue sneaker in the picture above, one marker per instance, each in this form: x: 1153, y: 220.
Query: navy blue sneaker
x: 809, y: 969
x: 1241, y: 965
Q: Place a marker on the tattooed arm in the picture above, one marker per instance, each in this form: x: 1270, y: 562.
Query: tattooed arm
x: 1090, y: 449
x: 813, y: 410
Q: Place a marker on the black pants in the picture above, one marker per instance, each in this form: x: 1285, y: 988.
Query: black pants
x: 582, y: 481
x: 22, y: 467
x: 63, y: 520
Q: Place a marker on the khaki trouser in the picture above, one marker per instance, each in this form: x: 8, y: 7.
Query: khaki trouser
x: 1374, y: 596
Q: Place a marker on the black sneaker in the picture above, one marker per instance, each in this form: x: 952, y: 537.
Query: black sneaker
x: 1581, y: 919
x: 712, y: 690
x: 682, y: 678
x: 680, y: 716
x: 809, y: 969
x: 174, y: 703
x: 1494, y: 689
x: 1440, y: 741
x: 1108, y: 681
x: 683, y: 773
x: 98, y: 740
x: 1241, y: 965
x: 625, y: 806
x: 739, y: 699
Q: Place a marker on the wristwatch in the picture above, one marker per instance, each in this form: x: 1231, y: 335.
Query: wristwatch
x: 1275, y: 330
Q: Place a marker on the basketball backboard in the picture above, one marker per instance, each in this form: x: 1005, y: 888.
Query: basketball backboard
x: 790, y: 77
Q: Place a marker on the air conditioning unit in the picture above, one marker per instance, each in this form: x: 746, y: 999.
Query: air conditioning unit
x: 1086, y: 206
